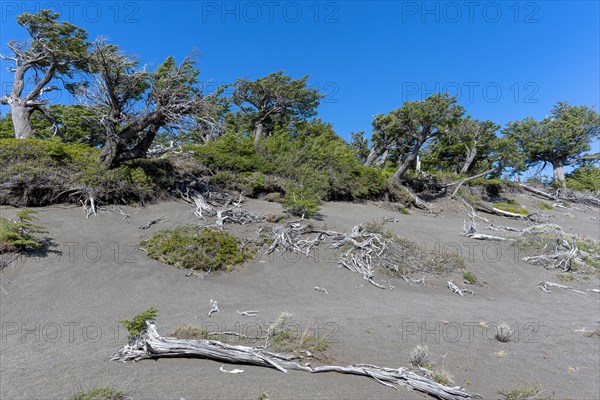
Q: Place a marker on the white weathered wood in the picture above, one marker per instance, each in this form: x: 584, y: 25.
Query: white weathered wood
x: 154, y: 346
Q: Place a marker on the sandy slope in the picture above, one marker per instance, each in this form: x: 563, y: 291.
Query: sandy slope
x: 59, y: 314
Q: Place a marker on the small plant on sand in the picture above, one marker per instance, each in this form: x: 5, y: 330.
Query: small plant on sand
x: 263, y: 396
x: 194, y: 247
x: 504, y: 332
x: 545, y: 206
x: 442, y: 377
x: 419, y: 357
x: 99, y: 393
x: 19, y: 235
x: 470, y: 277
x: 566, y: 277
x: 137, y: 325
x: 283, y: 336
x: 524, y: 392
x: 595, y: 332
x: 512, y: 206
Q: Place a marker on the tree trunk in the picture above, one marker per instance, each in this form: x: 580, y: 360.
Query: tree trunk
x: 258, y: 132
x: 403, y: 167
x: 469, y: 160
x: 20, y: 118
x: 559, y: 173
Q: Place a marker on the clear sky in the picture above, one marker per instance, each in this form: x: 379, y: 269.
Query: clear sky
x: 504, y: 60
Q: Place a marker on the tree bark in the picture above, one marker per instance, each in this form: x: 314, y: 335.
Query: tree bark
x: 20, y: 117
x: 258, y: 132
x: 559, y: 173
x: 403, y: 167
x: 472, y: 153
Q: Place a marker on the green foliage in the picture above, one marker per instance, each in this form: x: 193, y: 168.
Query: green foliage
x: 468, y: 147
x: 559, y: 139
x: 470, y: 277
x: 99, y: 393
x: 302, y: 200
x: 40, y: 172
x: 230, y: 152
x: 545, y: 206
x: 585, y: 178
x: 405, y: 130
x: 512, y: 206
x: 137, y: 325
x: 272, y: 101
x: 20, y: 235
x: 194, y: 247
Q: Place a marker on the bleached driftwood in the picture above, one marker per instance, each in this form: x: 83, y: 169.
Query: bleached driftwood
x: 461, y: 182
x: 320, y: 289
x: 483, y: 236
x: 247, y: 313
x: 455, y: 289
x: 411, y: 281
x: 559, y: 259
x: 544, y: 287
x: 89, y: 206
x: 493, y: 227
x: 214, y: 307
x: 538, y: 192
x: 152, y: 222
x: 153, y: 346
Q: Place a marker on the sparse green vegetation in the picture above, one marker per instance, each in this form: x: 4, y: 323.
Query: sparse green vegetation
x: 194, y: 247
x: 566, y: 277
x: 442, y: 377
x: 99, y: 393
x: 524, y: 392
x: 512, y: 206
x: 545, y: 206
x: 137, y: 325
x: 470, y: 277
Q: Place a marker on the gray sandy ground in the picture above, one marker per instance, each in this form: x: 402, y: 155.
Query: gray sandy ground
x: 59, y: 313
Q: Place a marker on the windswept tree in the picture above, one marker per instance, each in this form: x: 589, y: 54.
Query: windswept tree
x: 55, y: 51
x: 465, y: 148
x: 360, y: 143
x: 133, y: 105
x: 560, y: 139
x: 273, y: 100
x: 403, y: 132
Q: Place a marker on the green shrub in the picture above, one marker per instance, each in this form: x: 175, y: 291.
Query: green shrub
x: 40, y: 172
x: 585, y: 178
x: 545, y: 206
x: 99, y: 393
x: 470, y: 277
x: 230, y: 152
x: 20, y: 235
x: 194, y: 247
x: 137, y: 325
x: 301, y: 201
x: 512, y: 206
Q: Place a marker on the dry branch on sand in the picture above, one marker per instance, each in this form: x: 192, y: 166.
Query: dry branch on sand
x: 364, y: 251
x: 153, y: 346
x: 220, y: 205
x: 455, y: 289
x: 544, y: 286
x: 559, y: 249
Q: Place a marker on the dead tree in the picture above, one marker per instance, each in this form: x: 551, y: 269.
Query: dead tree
x: 55, y: 50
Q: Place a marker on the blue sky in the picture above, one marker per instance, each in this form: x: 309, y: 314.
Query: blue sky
x: 503, y: 60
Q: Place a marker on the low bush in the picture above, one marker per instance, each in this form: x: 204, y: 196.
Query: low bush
x: 512, y: 206
x: 20, y: 235
x: 137, y: 325
x: 99, y: 393
x: 419, y: 357
x: 42, y: 172
x: 585, y: 178
x: 470, y: 277
x: 524, y: 392
x: 504, y: 332
x: 194, y: 247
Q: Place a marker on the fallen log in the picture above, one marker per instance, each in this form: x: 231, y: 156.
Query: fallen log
x: 153, y: 346
x: 538, y: 192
